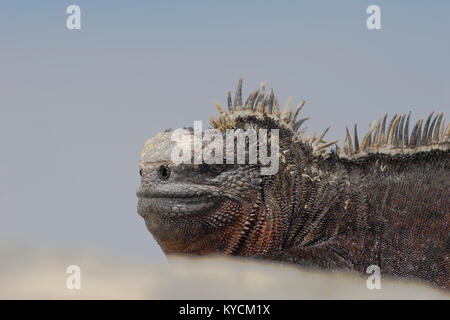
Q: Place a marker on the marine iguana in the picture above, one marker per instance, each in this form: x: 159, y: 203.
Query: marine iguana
x: 382, y: 201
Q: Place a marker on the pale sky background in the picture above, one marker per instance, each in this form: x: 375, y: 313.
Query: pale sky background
x: 77, y: 106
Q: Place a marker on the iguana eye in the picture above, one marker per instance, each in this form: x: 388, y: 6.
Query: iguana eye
x: 140, y: 172
x: 164, y: 172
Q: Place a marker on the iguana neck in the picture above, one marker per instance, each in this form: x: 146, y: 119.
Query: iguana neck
x: 386, y: 212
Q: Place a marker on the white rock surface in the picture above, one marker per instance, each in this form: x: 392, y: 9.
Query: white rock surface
x: 42, y: 275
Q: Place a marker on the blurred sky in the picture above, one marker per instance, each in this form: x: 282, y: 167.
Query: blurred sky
x: 77, y: 106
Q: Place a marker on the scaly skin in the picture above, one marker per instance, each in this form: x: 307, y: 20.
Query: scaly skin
x: 371, y: 204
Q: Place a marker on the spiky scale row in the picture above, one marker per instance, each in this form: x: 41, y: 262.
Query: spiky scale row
x: 257, y: 104
x: 393, y: 138
x: 260, y: 105
x: 396, y: 139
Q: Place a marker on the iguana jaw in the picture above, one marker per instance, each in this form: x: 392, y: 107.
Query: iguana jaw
x: 175, y: 205
x: 181, y: 221
x: 177, y: 199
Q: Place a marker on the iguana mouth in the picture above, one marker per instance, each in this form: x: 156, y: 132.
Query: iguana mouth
x: 176, y: 206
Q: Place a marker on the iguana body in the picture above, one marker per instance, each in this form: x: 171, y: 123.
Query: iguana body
x: 384, y: 201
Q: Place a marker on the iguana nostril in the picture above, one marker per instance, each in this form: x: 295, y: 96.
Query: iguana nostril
x: 164, y: 172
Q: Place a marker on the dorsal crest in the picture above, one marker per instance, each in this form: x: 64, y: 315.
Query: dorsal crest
x: 392, y: 138
x: 263, y: 107
x: 396, y: 138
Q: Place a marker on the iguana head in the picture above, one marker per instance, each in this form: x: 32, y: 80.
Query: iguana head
x: 224, y: 206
